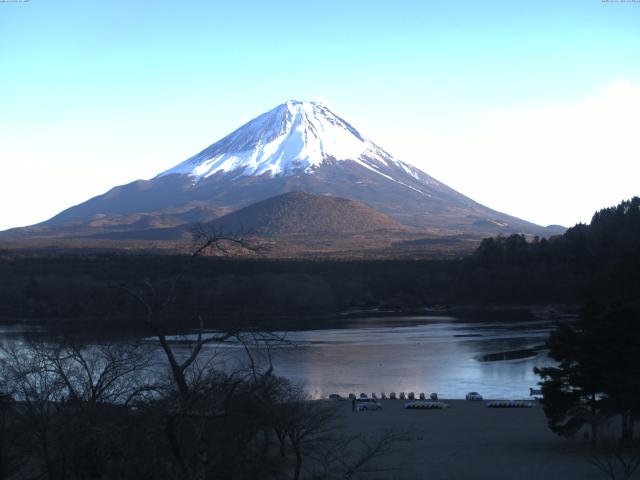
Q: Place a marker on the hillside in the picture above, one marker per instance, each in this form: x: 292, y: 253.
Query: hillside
x: 300, y: 213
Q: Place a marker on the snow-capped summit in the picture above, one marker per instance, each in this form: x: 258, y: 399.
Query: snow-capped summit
x: 295, y: 136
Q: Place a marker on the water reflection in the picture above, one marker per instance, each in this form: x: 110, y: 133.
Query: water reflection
x: 420, y: 354
x: 413, y: 353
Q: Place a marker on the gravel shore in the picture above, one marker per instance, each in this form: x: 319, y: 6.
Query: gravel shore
x: 470, y: 441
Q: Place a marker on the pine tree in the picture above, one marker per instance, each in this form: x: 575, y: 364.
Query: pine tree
x: 598, y: 371
x: 573, y: 392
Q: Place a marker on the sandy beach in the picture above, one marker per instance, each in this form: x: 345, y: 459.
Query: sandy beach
x: 470, y: 441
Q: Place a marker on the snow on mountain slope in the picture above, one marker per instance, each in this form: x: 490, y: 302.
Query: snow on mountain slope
x: 299, y: 146
x: 295, y: 136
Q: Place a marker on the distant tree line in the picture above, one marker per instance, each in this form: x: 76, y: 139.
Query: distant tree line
x: 83, y: 288
x: 598, y: 260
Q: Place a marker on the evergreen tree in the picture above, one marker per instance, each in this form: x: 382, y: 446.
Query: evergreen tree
x: 598, y: 371
x: 618, y: 327
x: 573, y: 391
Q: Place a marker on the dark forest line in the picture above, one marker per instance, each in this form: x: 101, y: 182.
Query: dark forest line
x: 589, y: 261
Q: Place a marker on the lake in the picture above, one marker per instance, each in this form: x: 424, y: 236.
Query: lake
x: 440, y: 354
x: 422, y: 353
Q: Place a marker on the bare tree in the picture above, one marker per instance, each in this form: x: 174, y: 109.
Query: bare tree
x: 110, y: 374
x: 40, y: 396
x: 63, y: 391
x: 155, y: 301
x: 347, y: 457
x: 196, y: 381
x: 312, y: 429
x: 278, y: 414
x: 309, y: 423
x: 617, y: 459
x: 9, y: 435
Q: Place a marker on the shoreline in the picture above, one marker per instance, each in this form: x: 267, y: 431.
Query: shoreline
x: 337, y: 318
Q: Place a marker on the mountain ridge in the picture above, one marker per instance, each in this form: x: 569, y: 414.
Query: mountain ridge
x: 297, y: 146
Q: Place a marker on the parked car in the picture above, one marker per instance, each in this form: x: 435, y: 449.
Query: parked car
x: 392, y: 396
x: 473, y: 396
x: 335, y: 396
x: 367, y: 404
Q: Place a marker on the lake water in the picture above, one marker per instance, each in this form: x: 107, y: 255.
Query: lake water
x: 414, y: 353
x: 426, y: 353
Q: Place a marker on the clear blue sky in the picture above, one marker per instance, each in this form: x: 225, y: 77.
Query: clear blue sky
x: 95, y: 93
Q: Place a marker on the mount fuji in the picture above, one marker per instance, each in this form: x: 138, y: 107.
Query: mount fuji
x: 297, y: 146
x: 292, y: 138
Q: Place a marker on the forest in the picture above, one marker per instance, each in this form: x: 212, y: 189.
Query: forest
x: 599, y: 260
